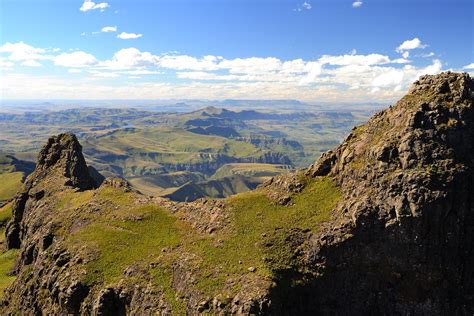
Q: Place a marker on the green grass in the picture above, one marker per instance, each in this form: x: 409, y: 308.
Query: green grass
x: 127, y: 234
x: 5, y: 214
x: 10, y: 183
x: 7, y: 260
x: 173, y: 145
x: 250, y: 170
x: 254, y: 215
x: 121, y: 241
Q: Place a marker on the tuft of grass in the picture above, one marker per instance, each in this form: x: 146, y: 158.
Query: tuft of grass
x: 7, y: 260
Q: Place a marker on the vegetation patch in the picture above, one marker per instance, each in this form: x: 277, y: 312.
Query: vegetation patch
x: 148, y: 238
x: 10, y: 183
x: 251, y: 244
x: 5, y: 214
x: 7, y: 260
x: 125, y: 242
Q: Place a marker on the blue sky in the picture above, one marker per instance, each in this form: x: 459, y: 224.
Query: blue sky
x: 319, y: 50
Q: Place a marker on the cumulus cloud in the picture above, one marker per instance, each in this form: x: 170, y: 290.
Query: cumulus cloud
x: 304, y: 6
x: 125, y: 35
x: 5, y: 63
x: 371, y: 59
x: 349, y: 77
x: 22, y: 52
x: 76, y: 59
x: 399, y: 78
x: 31, y: 63
x: 182, y: 62
x: 470, y: 66
x: 132, y: 57
x: 102, y: 74
x: 107, y: 29
x: 74, y: 71
x: 313, y: 70
x: 252, y: 65
x: 88, y: 5
x: 357, y: 4
x: 411, y: 44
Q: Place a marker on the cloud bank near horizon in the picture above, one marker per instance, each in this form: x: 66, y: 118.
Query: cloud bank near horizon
x: 134, y: 74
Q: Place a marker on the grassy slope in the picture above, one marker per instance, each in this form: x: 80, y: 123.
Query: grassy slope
x: 159, y: 237
x: 177, y: 145
x: 7, y: 259
x: 250, y: 169
x: 9, y: 184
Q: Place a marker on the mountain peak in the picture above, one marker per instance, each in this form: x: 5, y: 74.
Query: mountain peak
x: 63, y: 154
x: 450, y: 85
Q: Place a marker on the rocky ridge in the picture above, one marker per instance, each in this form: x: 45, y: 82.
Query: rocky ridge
x: 398, y: 239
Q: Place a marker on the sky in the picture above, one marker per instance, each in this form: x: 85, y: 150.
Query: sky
x: 312, y: 51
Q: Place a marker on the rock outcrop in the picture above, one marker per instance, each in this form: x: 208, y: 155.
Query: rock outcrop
x: 398, y: 237
x: 60, y: 163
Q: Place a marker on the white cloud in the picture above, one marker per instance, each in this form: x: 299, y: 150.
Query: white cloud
x: 90, y: 5
x: 5, y: 63
x: 182, y: 62
x: 313, y: 71
x: 431, y: 69
x: 392, y: 77
x: 31, y: 63
x: 107, y: 29
x: 141, y: 72
x: 304, y: 6
x: 75, y: 59
x: 125, y: 35
x: 130, y: 58
x: 348, y: 77
x: 406, y: 54
x: 401, y: 78
x: 357, y: 4
x: 74, y: 71
x: 431, y: 54
x: 343, y: 60
x: 470, y: 66
x: 22, y: 52
x: 410, y: 44
x: 252, y: 65
x: 102, y: 74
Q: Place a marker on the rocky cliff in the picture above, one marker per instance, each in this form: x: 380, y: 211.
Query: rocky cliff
x: 401, y: 240
x: 383, y: 224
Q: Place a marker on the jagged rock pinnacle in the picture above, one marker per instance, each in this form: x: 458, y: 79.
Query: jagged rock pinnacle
x: 60, y: 163
x: 63, y: 153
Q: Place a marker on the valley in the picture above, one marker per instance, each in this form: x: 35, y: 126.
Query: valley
x: 212, y: 151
